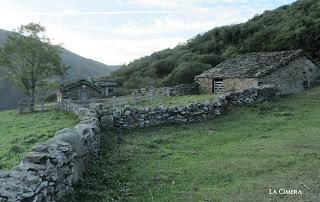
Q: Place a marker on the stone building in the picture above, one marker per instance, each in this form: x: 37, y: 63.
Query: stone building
x: 83, y: 90
x: 290, y: 71
x: 109, y: 87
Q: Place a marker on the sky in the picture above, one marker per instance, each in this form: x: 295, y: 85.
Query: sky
x: 118, y: 31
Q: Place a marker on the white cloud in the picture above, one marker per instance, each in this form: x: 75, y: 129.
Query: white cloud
x: 163, y: 26
x: 95, y: 13
x: 195, y: 5
x: 135, y: 29
x: 169, y: 25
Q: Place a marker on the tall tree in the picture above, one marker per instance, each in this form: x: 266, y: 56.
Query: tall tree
x: 29, y: 59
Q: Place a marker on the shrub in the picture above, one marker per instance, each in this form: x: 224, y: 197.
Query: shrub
x: 186, y: 72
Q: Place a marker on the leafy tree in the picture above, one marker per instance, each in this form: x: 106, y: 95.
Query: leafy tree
x: 163, y: 67
x: 29, y: 59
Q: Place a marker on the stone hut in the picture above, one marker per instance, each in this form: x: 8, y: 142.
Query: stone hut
x: 83, y: 90
x: 290, y: 71
x: 109, y: 87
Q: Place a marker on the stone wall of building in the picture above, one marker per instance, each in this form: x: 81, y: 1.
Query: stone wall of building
x: 130, y: 118
x: 229, y: 84
x: 205, y: 84
x: 290, y: 79
x: 74, y: 92
x: 48, y: 172
x: 239, y: 84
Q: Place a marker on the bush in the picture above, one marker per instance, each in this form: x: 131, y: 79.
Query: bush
x: 186, y: 72
x: 51, y: 98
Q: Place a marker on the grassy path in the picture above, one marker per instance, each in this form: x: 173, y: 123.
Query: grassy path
x: 237, y: 157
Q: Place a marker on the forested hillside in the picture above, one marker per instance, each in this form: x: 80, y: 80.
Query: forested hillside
x: 288, y: 27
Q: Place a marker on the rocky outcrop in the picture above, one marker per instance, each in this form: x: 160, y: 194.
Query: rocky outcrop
x: 130, y: 117
x: 50, y: 170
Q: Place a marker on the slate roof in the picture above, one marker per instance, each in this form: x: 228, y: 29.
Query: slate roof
x: 106, y: 83
x: 75, y: 83
x: 252, y: 65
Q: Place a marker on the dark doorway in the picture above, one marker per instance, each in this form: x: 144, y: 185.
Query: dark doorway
x: 305, y: 84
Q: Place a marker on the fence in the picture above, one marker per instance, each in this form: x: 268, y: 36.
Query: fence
x: 25, y: 106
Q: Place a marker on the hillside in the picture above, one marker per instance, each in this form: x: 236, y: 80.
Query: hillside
x: 289, y: 27
x: 80, y: 67
x: 236, y: 157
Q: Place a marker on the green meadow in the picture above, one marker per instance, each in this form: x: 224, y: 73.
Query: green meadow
x: 19, y: 132
x: 237, y: 157
x: 169, y: 101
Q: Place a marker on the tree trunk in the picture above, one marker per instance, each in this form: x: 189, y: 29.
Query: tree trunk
x: 32, y: 99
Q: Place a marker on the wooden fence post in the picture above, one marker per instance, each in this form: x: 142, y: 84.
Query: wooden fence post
x: 42, y: 105
x: 113, y: 101
x: 19, y: 107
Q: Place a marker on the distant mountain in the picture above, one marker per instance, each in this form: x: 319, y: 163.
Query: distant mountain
x: 80, y: 67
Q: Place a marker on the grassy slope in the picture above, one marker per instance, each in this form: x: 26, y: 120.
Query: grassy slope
x: 19, y: 132
x: 237, y: 157
x: 169, y: 101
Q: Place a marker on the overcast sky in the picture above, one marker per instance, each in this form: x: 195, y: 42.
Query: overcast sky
x: 119, y: 31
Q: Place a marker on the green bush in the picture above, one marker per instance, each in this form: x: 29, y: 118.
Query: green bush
x: 186, y: 72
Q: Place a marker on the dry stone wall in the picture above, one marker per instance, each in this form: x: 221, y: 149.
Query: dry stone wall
x: 129, y: 118
x: 178, y: 90
x: 49, y: 171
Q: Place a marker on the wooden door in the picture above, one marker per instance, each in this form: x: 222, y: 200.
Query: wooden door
x: 217, y: 85
x: 83, y: 95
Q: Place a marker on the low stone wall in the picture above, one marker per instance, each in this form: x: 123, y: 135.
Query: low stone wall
x: 185, y: 89
x: 179, y: 90
x: 130, y: 118
x: 49, y: 171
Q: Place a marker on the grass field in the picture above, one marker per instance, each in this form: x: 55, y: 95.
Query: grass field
x: 19, y: 132
x: 237, y: 157
x: 169, y: 101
